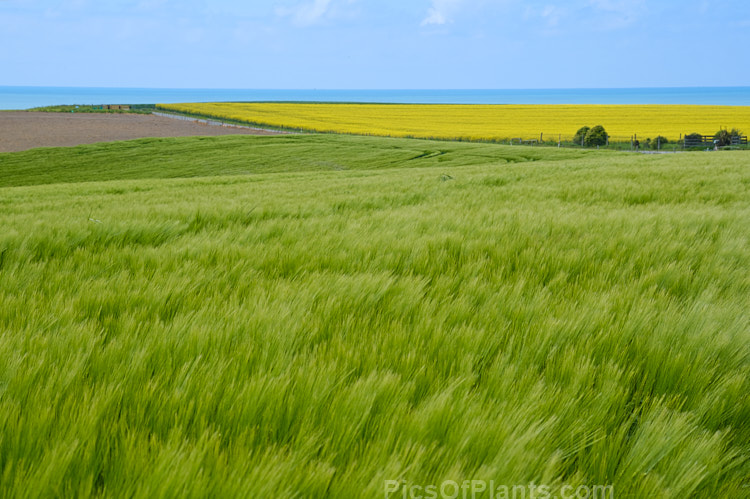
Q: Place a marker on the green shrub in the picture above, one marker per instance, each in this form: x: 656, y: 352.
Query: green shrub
x: 596, y: 136
x: 658, y: 142
x: 723, y: 138
x: 588, y: 136
x: 580, y: 135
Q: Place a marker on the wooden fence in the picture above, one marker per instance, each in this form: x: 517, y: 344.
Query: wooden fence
x: 695, y: 140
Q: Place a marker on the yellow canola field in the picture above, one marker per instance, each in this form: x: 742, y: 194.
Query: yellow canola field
x: 481, y: 122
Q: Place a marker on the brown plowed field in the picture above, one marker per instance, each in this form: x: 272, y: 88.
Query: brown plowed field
x: 21, y: 130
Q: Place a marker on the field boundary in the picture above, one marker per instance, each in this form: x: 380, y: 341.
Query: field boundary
x: 215, y: 122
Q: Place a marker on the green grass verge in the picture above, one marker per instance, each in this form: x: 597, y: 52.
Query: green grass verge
x: 313, y: 316
x: 72, y: 108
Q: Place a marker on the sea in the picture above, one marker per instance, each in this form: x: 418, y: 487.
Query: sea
x: 29, y: 97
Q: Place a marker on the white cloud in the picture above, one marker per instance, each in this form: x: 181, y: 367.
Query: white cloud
x: 621, y: 12
x: 551, y: 14
x: 441, y: 12
x: 434, y: 16
x: 547, y: 19
x: 306, y: 14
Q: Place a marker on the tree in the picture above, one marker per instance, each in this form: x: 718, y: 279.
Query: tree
x: 596, y: 136
x: 724, y: 137
x: 580, y: 135
x: 587, y: 136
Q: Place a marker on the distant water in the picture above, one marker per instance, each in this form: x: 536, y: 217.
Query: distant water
x: 28, y: 97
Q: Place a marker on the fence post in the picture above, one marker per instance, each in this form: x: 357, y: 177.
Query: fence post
x: 559, y: 140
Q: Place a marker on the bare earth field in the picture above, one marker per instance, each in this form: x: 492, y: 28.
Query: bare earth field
x: 21, y: 130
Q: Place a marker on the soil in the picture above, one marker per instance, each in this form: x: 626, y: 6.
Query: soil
x: 21, y: 130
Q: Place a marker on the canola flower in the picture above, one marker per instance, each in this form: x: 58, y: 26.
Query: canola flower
x: 480, y: 122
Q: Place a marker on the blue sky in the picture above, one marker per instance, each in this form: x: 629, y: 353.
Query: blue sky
x: 368, y: 44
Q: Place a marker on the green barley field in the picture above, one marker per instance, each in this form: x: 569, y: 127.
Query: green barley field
x: 341, y: 316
